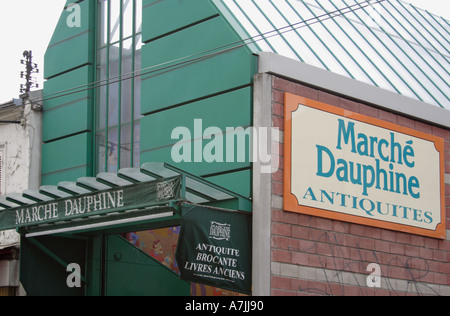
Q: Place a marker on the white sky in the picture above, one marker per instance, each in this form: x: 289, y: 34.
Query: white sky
x: 24, y: 25
x: 29, y: 25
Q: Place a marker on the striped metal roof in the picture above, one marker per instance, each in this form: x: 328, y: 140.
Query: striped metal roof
x: 386, y: 43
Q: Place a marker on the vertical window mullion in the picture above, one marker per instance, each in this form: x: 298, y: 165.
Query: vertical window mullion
x: 108, y: 47
x: 133, y: 66
x: 119, y: 99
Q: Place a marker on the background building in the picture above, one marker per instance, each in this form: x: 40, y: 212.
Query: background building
x: 20, y: 143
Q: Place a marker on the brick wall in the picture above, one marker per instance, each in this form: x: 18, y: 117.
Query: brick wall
x: 317, y: 256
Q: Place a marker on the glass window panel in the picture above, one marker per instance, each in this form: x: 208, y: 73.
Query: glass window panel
x: 425, y: 63
x: 115, y: 21
x: 365, y: 41
x: 102, y: 91
x: 317, y: 11
x: 341, y: 62
x: 251, y: 31
x: 287, y: 33
x: 137, y: 86
x: 102, y: 62
x: 260, y: 21
x: 126, y: 103
x: 268, y: 23
x: 101, y: 108
x: 440, y: 63
x: 136, y: 145
x: 100, y: 147
x: 126, y: 83
x: 113, y: 101
x: 254, y: 29
x: 370, y: 17
x: 113, y: 104
x: 114, y: 55
x: 295, y: 37
x: 431, y: 27
x: 113, y: 149
x: 127, y: 18
x: 103, y: 21
x: 407, y: 20
x: 272, y: 14
x: 350, y: 14
x: 138, y: 16
x: 327, y: 5
x: 127, y: 52
x: 437, y: 37
x: 125, y: 147
x: 138, y: 42
x: 398, y: 22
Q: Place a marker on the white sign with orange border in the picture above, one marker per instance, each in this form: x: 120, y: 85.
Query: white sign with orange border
x: 347, y: 166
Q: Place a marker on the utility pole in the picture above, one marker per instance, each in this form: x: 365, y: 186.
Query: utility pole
x: 27, y: 75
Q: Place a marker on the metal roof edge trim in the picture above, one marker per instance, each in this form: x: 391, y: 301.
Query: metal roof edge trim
x: 272, y: 63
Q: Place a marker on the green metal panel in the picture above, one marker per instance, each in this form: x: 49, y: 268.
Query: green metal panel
x: 42, y: 274
x: 219, y: 111
x: 198, y: 80
x: 201, y: 168
x: 239, y: 182
x: 230, y: 110
x: 216, y: 71
x: 71, y: 113
x: 67, y: 120
x: 59, y: 90
x: 182, y: 13
x: 65, y: 175
x: 67, y: 117
x: 131, y: 272
x: 66, y: 159
x: 197, y: 39
x: 94, y: 266
x: 71, y: 46
x: 65, y: 55
x: 207, y: 74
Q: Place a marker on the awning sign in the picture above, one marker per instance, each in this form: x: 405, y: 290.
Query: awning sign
x: 117, y: 199
x: 347, y: 166
x: 214, y: 248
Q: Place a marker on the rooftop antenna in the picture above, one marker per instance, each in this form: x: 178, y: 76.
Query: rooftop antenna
x: 31, y: 68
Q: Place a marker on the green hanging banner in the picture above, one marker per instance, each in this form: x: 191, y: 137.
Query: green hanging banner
x: 214, y: 248
x: 135, y: 196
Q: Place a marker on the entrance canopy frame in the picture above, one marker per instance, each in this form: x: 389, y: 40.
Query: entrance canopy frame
x: 192, y: 189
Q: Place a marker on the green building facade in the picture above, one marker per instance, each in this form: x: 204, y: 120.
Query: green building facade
x: 175, y: 67
x: 121, y: 77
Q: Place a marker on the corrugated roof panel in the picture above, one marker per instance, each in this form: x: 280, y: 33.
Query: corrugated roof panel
x: 387, y: 43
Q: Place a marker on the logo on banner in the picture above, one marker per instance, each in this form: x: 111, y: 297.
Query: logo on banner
x: 219, y: 231
x: 165, y: 190
x: 209, y: 253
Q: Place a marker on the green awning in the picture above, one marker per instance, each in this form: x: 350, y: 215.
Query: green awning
x: 132, y: 195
